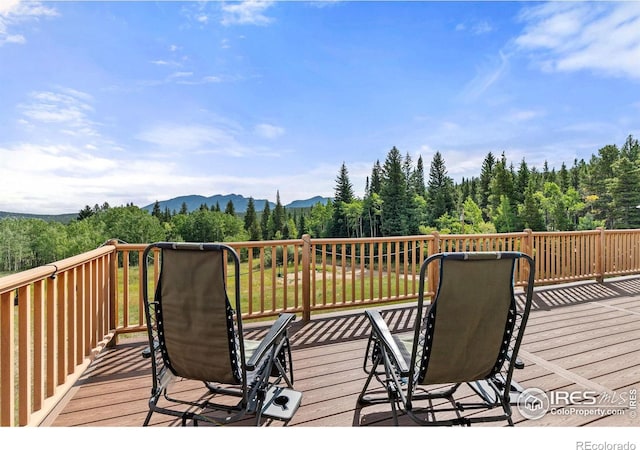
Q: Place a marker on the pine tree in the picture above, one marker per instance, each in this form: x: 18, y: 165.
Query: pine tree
x: 157, y: 212
x: 183, y: 208
x: 375, y: 184
x: 393, y: 193
x: 521, y: 182
x: 563, y: 178
x: 418, y: 179
x: 85, y: 213
x: 625, y: 192
x: 439, y: 190
x: 230, y: 209
x: 278, y: 219
x: 251, y: 224
x: 484, y: 184
x: 530, y: 212
x: 264, y: 220
x: 501, y: 185
x: 631, y: 149
x: 343, y: 197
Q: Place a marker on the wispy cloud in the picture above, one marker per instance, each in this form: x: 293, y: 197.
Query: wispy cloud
x: 477, y: 27
x: 15, y: 12
x: 603, y: 37
x: 486, y: 77
x: 520, y: 116
x: 268, y: 131
x: 248, y: 12
x: 67, y: 109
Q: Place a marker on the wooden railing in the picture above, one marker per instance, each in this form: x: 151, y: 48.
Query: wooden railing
x: 55, y: 318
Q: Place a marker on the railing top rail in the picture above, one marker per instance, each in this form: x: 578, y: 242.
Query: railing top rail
x: 483, y: 235
x: 566, y: 233
x: 16, y: 280
x: 237, y: 245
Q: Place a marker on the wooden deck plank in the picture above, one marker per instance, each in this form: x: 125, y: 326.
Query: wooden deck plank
x: 583, y: 335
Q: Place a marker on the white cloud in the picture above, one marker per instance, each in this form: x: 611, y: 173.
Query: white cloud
x: 486, y: 78
x: 67, y: 109
x: 482, y: 28
x: 15, y: 12
x: 54, y: 179
x: 477, y: 27
x: 523, y: 116
x: 603, y: 37
x: 248, y: 12
x: 268, y: 131
x: 189, y: 137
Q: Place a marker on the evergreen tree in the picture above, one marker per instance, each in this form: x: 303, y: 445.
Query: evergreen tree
x: 85, y: 213
x: 631, y: 149
x: 576, y: 173
x: 230, y: 209
x: 278, y: 219
x: 264, y: 220
x: 439, y: 190
x: 342, y: 199
x: 563, y: 178
x: 501, y: 185
x: 418, y: 179
x: 504, y: 218
x: 166, y: 217
x: 484, y: 184
x: 393, y: 192
x: 302, y: 226
x: 521, y: 182
x: 375, y: 185
x: 530, y: 212
x: 156, y: 211
x: 598, y: 180
x: 183, y: 208
x: 250, y: 216
x: 625, y: 193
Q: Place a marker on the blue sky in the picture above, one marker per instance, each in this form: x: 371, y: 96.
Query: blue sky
x: 129, y: 101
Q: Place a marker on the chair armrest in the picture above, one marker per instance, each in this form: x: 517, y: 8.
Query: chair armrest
x: 381, y: 330
x: 274, y: 335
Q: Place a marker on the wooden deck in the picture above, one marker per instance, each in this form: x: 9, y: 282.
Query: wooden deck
x: 580, y: 337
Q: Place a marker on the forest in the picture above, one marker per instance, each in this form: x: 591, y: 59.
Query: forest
x: 400, y: 198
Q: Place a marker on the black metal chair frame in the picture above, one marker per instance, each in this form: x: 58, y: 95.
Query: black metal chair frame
x: 400, y: 374
x: 269, y: 365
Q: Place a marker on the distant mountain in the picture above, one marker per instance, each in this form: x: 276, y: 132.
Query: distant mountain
x: 62, y: 218
x: 193, y: 202
x: 240, y: 203
x: 307, y: 203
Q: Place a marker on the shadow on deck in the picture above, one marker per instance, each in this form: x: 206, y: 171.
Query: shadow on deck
x: 580, y: 336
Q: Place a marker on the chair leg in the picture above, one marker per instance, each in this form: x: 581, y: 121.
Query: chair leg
x: 361, y: 398
x: 148, y: 418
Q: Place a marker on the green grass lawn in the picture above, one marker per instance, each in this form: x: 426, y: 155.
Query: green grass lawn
x: 280, y: 291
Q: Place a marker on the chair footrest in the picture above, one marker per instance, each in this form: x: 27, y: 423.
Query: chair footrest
x: 281, y: 403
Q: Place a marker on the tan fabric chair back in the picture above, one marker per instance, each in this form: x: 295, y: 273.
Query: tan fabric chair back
x: 469, y: 315
x: 194, y: 314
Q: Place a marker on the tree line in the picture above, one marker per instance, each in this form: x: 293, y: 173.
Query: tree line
x: 399, y: 198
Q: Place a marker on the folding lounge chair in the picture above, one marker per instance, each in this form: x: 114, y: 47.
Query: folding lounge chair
x: 470, y: 333
x: 194, y: 333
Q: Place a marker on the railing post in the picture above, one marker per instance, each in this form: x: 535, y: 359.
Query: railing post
x: 600, y: 256
x: 527, y: 248
x: 113, y: 289
x: 432, y: 272
x: 306, y: 278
